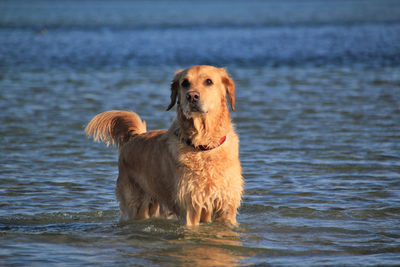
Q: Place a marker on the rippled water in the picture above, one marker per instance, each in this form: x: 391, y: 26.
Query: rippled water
x: 318, y: 114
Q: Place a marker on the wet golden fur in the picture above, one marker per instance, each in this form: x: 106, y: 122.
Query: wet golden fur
x: 160, y: 173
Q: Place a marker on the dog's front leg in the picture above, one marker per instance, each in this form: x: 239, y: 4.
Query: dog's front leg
x: 192, y: 216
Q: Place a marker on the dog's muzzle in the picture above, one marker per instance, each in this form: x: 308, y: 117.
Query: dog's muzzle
x: 193, y: 102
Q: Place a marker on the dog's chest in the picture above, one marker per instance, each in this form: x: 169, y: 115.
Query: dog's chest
x: 204, y: 165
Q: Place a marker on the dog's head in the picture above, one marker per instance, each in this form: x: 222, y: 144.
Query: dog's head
x: 201, y: 89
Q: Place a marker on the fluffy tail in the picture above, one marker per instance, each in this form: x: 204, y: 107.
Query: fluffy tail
x: 115, y: 127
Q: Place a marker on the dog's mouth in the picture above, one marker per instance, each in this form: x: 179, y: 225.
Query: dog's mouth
x: 191, y: 109
x: 196, y: 108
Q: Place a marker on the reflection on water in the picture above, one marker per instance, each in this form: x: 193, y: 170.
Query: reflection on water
x: 214, y: 245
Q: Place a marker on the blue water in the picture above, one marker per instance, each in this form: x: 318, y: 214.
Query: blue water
x: 318, y: 114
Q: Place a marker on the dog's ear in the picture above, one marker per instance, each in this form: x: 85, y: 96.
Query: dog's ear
x: 174, y: 88
x: 229, y: 86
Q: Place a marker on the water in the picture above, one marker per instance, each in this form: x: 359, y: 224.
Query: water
x: 318, y: 114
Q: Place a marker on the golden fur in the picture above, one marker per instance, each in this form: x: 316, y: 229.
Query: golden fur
x: 164, y: 173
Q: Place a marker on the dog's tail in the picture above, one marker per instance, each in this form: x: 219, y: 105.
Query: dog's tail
x: 115, y: 127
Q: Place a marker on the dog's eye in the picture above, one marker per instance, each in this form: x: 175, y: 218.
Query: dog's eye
x: 185, y: 83
x: 208, y: 82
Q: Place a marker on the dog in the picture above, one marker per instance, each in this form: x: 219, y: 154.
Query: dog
x: 190, y: 171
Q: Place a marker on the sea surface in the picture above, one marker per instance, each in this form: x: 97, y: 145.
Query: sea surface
x: 318, y: 115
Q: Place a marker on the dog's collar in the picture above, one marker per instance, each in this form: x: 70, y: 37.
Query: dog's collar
x: 201, y: 147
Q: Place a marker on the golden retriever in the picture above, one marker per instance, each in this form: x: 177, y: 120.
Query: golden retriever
x: 192, y: 170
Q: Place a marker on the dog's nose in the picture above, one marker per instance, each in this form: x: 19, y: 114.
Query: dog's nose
x: 193, y: 96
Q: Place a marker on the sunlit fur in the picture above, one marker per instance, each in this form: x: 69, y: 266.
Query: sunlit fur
x: 160, y: 175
